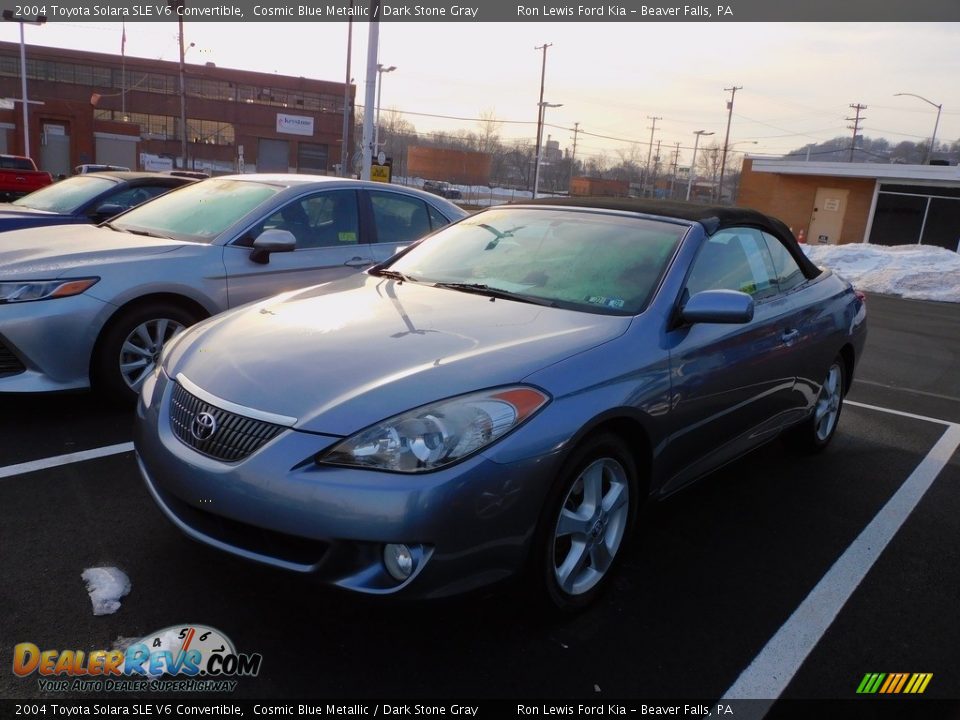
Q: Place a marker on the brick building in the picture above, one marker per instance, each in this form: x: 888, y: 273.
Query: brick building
x: 836, y: 202
x: 99, y: 108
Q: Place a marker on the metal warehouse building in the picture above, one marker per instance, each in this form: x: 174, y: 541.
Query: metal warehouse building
x: 99, y: 108
x: 835, y: 202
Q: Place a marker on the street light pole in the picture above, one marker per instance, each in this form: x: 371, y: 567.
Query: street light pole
x: 936, y: 124
x: 693, y: 162
x: 381, y: 69
x: 40, y: 20
x: 536, y: 170
x: 543, y: 76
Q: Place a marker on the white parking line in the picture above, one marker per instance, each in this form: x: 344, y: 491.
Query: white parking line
x: 775, y: 666
x: 56, y: 461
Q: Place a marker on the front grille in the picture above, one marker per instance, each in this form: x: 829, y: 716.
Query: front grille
x: 9, y: 363
x: 234, y: 437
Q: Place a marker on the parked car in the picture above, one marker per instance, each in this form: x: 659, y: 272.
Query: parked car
x: 499, y: 398
x: 443, y: 189
x: 19, y: 176
x: 97, y: 167
x: 84, y: 304
x: 85, y: 199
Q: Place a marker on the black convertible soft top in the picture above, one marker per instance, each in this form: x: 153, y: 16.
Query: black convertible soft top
x: 711, y: 217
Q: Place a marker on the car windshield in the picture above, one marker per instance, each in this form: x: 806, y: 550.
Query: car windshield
x: 67, y: 195
x: 197, y: 212
x: 584, y: 260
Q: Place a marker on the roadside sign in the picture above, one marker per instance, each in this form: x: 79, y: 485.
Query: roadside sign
x: 380, y: 173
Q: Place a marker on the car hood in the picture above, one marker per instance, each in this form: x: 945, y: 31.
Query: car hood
x: 51, y: 251
x: 339, y: 360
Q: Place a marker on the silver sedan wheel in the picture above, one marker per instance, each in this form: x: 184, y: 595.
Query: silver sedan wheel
x: 591, y: 525
x: 142, y: 347
x: 828, y: 403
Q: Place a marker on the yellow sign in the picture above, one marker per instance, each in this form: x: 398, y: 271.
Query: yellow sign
x: 380, y: 173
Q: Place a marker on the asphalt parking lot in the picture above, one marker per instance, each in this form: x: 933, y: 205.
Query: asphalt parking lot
x: 780, y: 575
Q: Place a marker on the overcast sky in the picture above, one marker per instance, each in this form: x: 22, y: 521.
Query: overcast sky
x: 798, y: 79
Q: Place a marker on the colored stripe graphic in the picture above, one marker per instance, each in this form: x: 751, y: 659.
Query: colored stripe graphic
x: 894, y: 683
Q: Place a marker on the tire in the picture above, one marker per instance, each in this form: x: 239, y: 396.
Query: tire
x: 128, y: 349
x: 588, y: 519
x: 815, y: 433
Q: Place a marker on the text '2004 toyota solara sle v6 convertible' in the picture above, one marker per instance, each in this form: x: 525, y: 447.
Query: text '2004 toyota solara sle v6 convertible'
x: 499, y: 398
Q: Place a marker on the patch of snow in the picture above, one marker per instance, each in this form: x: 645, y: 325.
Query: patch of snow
x: 106, y: 586
x: 917, y: 272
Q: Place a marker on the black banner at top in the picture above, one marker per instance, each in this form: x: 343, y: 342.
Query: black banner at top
x: 490, y: 11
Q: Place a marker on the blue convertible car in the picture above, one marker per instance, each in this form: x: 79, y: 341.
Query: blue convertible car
x: 500, y: 397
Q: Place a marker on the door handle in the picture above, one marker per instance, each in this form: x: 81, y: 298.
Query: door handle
x: 358, y: 262
x: 790, y: 336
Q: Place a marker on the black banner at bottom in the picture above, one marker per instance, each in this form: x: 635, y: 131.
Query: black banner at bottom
x: 854, y: 709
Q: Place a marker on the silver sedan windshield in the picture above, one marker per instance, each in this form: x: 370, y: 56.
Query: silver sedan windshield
x: 198, y: 212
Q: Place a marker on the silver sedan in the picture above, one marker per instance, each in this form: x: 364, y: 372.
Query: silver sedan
x: 82, y: 306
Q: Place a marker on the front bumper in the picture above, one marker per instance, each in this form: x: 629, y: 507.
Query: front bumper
x: 469, y: 525
x: 48, y: 343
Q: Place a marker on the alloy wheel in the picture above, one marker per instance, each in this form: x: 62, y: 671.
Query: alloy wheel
x: 591, y: 525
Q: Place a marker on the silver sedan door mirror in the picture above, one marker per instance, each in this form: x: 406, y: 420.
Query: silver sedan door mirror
x: 272, y: 241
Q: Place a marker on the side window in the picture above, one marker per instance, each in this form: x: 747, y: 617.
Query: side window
x: 399, y: 218
x: 734, y: 259
x: 788, y: 273
x: 325, y: 219
x: 132, y: 196
x: 436, y: 219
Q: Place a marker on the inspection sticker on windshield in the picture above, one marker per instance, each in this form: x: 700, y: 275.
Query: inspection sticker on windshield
x: 611, y: 302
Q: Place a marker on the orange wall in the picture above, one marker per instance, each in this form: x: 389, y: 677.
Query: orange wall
x: 586, y: 186
x: 791, y: 198
x: 456, y: 166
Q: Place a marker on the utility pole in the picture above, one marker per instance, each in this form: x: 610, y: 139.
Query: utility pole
x: 726, y: 139
x: 650, y: 147
x: 676, y: 161
x: 345, y: 144
x: 573, y: 155
x: 656, y: 170
x: 855, y: 127
x: 370, y: 91
x: 693, y: 162
x: 543, y: 76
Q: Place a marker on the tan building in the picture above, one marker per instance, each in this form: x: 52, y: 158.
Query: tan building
x: 836, y: 202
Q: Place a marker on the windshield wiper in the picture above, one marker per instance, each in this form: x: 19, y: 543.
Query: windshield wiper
x: 481, y: 289
x: 392, y: 274
x: 145, y: 233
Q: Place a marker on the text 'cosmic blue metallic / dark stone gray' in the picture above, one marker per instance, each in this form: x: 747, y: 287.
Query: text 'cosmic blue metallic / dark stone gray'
x: 224, y: 436
x: 9, y: 363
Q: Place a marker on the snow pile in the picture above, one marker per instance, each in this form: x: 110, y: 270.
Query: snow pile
x: 917, y: 272
x: 106, y: 586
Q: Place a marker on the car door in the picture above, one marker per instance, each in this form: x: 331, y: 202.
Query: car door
x: 731, y: 383
x: 331, y: 243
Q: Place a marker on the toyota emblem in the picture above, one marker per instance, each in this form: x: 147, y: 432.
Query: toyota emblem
x: 203, y: 427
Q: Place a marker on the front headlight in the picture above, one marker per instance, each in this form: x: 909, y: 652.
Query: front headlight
x: 438, y: 434
x: 27, y: 290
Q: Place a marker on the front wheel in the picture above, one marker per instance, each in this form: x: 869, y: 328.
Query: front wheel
x: 816, y: 432
x: 583, y: 533
x: 130, y: 347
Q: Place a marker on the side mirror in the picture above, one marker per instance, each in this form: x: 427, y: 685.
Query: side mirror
x: 272, y: 241
x: 718, y: 306
x: 107, y: 211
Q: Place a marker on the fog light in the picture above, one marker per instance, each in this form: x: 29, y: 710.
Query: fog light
x: 398, y: 560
